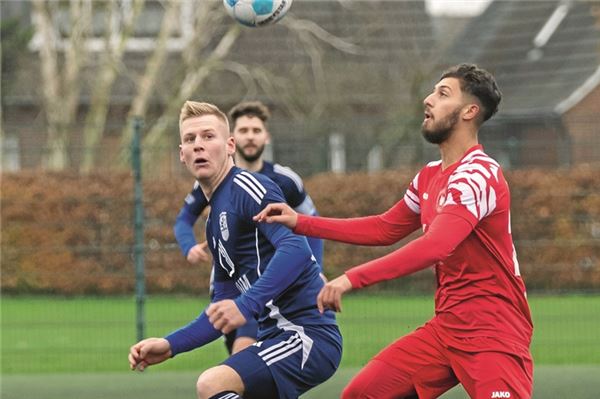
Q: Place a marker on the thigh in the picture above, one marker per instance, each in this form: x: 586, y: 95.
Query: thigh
x: 413, y: 365
x: 494, y: 374
x: 288, y: 364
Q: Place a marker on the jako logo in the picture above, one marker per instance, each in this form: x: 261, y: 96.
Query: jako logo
x: 500, y: 394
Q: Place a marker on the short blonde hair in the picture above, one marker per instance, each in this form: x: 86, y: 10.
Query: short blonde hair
x: 192, y: 109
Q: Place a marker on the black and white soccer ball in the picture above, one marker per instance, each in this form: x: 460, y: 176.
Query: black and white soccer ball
x: 257, y: 12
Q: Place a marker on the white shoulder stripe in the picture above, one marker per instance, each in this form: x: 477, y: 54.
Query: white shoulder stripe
x: 247, y: 189
x: 286, y: 171
x: 258, y: 185
x: 250, y: 184
x: 471, y: 180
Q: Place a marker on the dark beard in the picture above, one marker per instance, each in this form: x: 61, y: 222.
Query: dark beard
x: 250, y: 158
x: 442, y: 131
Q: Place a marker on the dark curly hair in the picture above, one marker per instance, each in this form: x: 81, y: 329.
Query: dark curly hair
x: 479, y: 83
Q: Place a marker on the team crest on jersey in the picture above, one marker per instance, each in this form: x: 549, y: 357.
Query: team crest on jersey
x: 441, y: 200
x: 223, y: 225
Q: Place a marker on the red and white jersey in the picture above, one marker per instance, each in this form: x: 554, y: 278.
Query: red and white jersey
x: 480, y: 300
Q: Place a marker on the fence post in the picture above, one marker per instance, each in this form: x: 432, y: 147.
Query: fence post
x: 337, y: 153
x: 138, y: 248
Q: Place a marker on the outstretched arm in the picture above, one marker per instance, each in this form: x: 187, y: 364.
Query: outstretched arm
x: 445, y: 233
x: 384, y: 229
x: 201, y: 331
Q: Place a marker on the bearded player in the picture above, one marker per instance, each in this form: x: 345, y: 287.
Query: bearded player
x: 481, y: 332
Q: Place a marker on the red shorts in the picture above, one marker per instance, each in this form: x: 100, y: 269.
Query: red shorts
x: 419, y: 365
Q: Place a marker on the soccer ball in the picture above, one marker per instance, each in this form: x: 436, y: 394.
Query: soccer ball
x: 257, y: 12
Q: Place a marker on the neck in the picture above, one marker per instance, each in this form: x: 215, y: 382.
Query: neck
x: 453, y: 149
x: 253, y: 166
x: 210, y: 185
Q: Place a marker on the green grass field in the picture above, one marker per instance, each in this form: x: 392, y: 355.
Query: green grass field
x: 75, y: 348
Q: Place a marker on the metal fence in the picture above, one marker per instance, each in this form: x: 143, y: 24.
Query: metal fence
x: 57, y: 334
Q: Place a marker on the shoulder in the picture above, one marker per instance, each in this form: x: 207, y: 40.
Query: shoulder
x: 254, y: 186
x: 428, y: 170
x: 286, y: 175
x: 194, y: 195
x: 478, y: 167
x: 478, y: 184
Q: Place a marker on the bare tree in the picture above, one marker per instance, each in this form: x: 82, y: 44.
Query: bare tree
x: 207, y: 42
x: 146, y: 82
x: 60, y: 79
x: 120, y: 28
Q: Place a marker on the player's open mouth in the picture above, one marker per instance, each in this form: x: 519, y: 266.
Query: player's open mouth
x: 427, y: 116
x: 200, y: 162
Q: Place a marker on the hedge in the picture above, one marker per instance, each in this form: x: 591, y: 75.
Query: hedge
x: 69, y: 234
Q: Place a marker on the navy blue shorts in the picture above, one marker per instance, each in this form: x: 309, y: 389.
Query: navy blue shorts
x: 290, y: 363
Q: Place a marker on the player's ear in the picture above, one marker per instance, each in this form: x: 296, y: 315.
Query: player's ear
x: 230, y: 145
x: 181, y: 158
x: 470, y: 111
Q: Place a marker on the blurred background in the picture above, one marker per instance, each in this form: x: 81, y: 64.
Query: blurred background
x: 91, y: 181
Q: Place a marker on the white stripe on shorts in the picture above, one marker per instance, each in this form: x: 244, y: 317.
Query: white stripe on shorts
x: 281, y: 350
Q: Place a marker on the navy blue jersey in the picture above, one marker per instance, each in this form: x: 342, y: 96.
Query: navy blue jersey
x: 269, y: 271
x: 291, y: 185
x: 293, y: 192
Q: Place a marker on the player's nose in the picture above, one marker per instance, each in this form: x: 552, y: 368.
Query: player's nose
x: 427, y: 101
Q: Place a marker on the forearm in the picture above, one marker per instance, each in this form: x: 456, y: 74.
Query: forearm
x: 384, y: 229
x: 184, y: 231
x: 196, y: 334
x: 290, y: 260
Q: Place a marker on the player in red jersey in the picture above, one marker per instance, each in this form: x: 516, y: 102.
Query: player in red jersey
x: 481, y: 331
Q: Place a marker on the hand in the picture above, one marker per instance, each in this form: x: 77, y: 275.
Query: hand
x: 278, y: 213
x: 147, y: 352
x: 198, y: 253
x: 225, y: 316
x: 330, y: 296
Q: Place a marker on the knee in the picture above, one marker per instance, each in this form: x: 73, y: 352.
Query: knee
x: 217, y: 380
x: 205, y: 387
